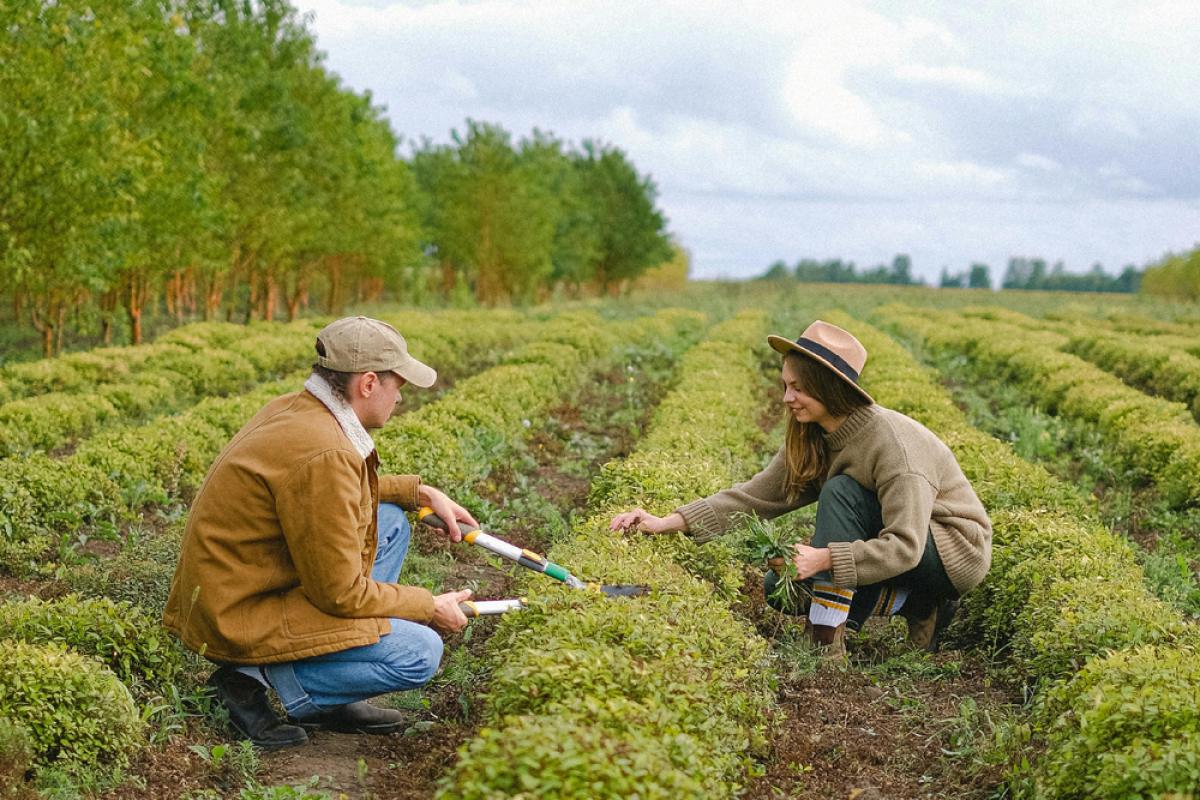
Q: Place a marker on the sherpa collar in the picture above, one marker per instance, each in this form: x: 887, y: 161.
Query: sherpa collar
x: 343, y: 413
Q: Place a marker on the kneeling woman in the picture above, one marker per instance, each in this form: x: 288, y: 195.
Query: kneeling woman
x: 899, y: 528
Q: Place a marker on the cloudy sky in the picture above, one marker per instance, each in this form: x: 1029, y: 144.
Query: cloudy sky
x: 954, y: 132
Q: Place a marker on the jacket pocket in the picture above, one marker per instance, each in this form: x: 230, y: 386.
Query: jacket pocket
x: 303, y: 620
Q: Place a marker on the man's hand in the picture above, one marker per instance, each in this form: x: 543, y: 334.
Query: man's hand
x: 447, y: 616
x: 811, y: 560
x: 450, y: 512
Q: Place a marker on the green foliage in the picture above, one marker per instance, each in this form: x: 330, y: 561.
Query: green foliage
x: 131, y: 642
x: 661, y: 695
x: 78, y: 714
x: 536, y: 757
x: 1176, y: 276
x: 1069, y: 598
x: 1127, y: 725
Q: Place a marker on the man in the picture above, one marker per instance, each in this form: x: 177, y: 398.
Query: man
x: 287, y: 574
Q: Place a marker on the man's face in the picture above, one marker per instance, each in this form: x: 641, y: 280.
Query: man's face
x: 382, y: 397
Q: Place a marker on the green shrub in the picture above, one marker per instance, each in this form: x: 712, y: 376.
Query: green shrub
x: 1127, y: 725
x: 536, y: 757
x: 140, y: 574
x: 131, y: 642
x: 673, y: 677
x: 77, y: 713
x: 49, y: 420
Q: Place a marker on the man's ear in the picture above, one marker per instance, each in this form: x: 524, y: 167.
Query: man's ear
x: 369, y: 383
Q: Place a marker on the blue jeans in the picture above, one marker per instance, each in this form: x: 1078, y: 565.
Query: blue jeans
x: 406, y: 658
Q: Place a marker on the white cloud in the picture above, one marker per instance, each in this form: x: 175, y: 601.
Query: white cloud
x: 1039, y: 162
x: 749, y: 115
x: 963, y: 79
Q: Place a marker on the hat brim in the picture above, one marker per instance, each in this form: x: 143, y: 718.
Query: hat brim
x: 785, y: 346
x: 417, y: 373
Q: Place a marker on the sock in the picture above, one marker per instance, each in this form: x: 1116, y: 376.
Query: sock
x: 830, y: 605
x: 891, y: 600
x: 256, y: 673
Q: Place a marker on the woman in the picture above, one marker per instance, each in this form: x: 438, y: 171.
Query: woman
x: 899, y: 528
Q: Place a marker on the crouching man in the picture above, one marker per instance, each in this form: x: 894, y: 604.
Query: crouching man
x: 287, y: 574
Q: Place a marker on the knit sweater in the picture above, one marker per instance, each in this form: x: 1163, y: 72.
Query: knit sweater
x: 920, y: 486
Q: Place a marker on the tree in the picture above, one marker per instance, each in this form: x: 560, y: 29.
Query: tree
x: 948, y: 281
x: 632, y: 230
x: 64, y: 155
x: 980, y: 276
x: 776, y: 272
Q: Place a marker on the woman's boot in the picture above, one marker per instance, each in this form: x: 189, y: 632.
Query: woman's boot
x: 830, y: 640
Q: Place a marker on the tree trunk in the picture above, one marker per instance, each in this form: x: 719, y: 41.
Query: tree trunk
x: 448, y: 279
x: 270, y: 298
x: 108, y: 307
x: 62, y: 326
x: 44, y: 323
x: 334, y: 301
x: 135, y: 301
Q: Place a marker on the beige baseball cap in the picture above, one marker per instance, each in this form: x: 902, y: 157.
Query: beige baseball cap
x: 362, y: 344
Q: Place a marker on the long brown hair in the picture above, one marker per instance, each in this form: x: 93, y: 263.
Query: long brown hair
x: 805, y: 447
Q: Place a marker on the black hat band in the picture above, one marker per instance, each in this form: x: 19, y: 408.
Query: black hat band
x: 833, y: 358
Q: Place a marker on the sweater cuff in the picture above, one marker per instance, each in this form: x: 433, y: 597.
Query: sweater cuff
x: 403, y: 490
x: 845, y: 573
x: 701, y: 520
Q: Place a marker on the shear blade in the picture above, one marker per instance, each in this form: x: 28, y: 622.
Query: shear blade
x: 623, y: 590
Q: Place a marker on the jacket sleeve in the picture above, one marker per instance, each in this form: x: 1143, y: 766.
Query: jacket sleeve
x: 325, y: 517
x: 906, y: 503
x: 765, y: 495
x: 403, y: 490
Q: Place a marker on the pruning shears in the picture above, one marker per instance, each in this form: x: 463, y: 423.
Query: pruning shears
x: 527, y: 559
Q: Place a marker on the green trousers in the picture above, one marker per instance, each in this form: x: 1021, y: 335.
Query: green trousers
x: 848, y: 512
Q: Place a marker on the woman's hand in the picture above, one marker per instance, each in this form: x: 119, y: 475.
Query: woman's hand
x: 811, y: 560
x: 450, y: 512
x: 640, y: 519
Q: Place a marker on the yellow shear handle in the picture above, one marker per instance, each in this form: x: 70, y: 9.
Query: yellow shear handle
x: 429, y: 517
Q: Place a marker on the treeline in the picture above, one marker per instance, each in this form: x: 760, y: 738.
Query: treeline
x: 835, y: 270
x: 195, y: 156
x: 1032, y: 273
x: 1175, y: 276
x: 1021, y: 273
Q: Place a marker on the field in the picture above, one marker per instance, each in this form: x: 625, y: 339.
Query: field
x: 1072, y: 672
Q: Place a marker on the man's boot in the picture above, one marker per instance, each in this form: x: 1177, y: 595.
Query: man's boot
x: 361, y: 717
x: 925, y: 629
x: 830, y: 640
x: 250, y: 713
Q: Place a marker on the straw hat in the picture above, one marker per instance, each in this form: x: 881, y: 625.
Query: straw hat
x: 832, y: 346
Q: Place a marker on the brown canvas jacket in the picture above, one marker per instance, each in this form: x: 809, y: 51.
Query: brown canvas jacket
x: 277, y: 554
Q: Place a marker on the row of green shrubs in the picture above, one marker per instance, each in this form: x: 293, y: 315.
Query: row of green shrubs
x: 102, y: 388
x: 1155, y: 437
x: 1065, y: 602
x: 116, y: 474
x: 1147, y: 363
x: 652, y: 697
x: 177, y: 375
x: 1125, y: 322
x: 1163, y: 363
x: 117, y: 645
x: 458, y: 440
